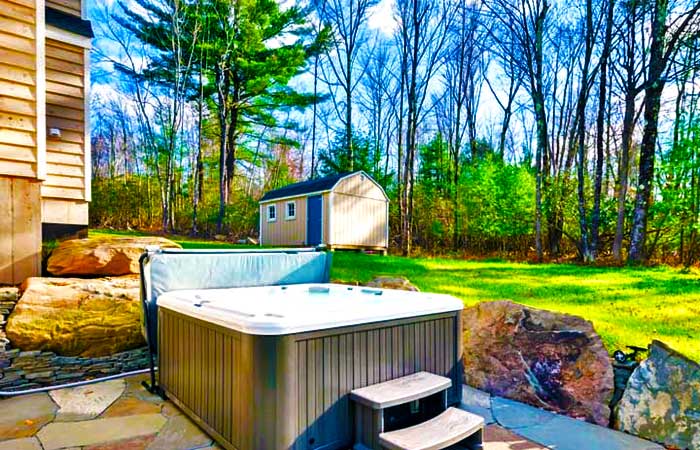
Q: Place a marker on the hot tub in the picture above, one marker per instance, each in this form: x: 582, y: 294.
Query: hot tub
x: 271, y: 367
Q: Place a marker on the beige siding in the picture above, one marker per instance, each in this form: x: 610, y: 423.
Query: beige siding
x: 361, y: 186
x: 283, y: 231
x: 68, y: 6
x: 20, y: 230
x: 358, y: 222
x: 354, y: 215
x: 358, y: 213
x: 18, y: 94
x: 65, y: 110
x: 64, y: 211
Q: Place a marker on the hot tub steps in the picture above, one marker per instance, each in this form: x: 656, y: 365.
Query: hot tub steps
x: 410, y: 413
x: 401, y: 390
x: 451, y: 427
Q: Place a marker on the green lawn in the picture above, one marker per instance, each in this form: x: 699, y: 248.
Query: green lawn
x: 628, y: 306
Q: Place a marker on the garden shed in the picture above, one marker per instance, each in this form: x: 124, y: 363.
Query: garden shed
x: 346, y: 211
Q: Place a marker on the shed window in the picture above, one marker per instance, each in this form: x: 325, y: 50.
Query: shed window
x: 291, y: 210
x: 271, y: 213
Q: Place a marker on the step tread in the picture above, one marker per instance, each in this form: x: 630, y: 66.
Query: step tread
x: 449, y: 428
x: 401, y: 390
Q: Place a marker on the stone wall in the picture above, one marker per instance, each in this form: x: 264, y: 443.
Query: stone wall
x: 26, y: 370
x: 8, y: 299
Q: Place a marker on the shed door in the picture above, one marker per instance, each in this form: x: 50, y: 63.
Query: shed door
x: 314, y: 220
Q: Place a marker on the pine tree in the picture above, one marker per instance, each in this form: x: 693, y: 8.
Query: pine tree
x: 248, y: 51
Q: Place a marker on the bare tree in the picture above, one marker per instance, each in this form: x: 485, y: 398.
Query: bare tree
x: 524, y: 24
x: 348, y: 19
x: 515, y: 80
x: 585, y: 248
x: 423, y: 27
x: 603, y: 102
x: 378, y: 86
x: 456, y: 107
x: 627, y: 73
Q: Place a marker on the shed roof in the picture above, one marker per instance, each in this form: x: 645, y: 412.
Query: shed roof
x: 306, y: 187
x: 311, y: 186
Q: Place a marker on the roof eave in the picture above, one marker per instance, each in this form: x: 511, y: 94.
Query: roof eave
x: 287, y: 197
x: 68, y: 22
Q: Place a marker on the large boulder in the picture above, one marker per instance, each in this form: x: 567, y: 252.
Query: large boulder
x: 103, y: 256
x: 550, y: 360
x: 662, y: 400
x: 399, y: 283
x: 77, y: 317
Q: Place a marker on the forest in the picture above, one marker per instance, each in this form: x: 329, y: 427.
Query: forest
x: 527, y: 129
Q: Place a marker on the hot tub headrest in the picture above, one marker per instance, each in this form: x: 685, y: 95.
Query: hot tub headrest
x: 169, y: 270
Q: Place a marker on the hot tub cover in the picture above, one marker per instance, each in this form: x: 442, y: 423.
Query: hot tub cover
x: 279, y: 310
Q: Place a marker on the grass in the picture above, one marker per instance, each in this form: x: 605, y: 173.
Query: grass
x: 628, y: 306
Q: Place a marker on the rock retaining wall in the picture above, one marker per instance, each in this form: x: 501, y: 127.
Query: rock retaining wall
x: 8, y: 299
x: 26, y: 370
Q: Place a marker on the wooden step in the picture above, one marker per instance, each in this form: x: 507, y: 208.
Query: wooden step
x: 450, y: 427
x: 400, y: 390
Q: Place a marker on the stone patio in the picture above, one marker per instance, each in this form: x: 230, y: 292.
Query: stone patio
x: 122, y: 415
x: 549, y: 430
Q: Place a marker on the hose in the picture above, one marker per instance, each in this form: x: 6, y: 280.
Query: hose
x: 74, y: 384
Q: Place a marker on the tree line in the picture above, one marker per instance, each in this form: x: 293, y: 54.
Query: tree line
x: 536, y: 128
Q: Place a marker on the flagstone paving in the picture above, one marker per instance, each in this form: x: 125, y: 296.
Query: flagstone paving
x: 21, y: 444
x: 122, y: 415
x: 86, y: 402
x: 24, y: 416
x: 552, y: 431
x: 59, y: 435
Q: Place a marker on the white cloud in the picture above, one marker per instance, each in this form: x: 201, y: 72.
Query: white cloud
x: 382, y: 17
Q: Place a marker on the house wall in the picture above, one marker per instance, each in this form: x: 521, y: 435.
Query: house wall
x: 20, y: 102
x: 20, y: 229
x: 283, y: 231
x: 358, y: 214
x: 65, y: 193
x: 22, y: 148
x: 68, y: 6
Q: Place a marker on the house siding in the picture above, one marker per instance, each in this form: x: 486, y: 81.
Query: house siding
x: 65, y: 190
x: 21, y: 133
x: 358, y: 222
x: 359, y: 197
x: 283, y: 231
x: 360, y: 185
x: 18, y: 99
x: 20, y: 230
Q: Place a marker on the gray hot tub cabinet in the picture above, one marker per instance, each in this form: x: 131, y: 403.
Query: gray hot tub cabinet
x: 291, y: 391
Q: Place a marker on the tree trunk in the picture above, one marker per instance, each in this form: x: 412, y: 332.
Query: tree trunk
x: 348, y: 113
x: 600, y: 130
x: 315, y: 116
x: 628, y: 123
x: 541, y: 168
x: 652, y: 104
x: 585, y: 247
